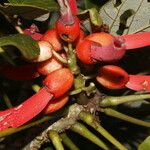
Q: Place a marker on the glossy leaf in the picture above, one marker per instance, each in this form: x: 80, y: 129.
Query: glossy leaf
x: 93, y: 15
x: 25, y: 44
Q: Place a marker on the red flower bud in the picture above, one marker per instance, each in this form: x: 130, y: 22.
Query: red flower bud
x: 112, y: 77
x: 56, y: 104
x: 59, y: 82
x: 68, y: 32
x: 49, y: 66
x: 53, y: 38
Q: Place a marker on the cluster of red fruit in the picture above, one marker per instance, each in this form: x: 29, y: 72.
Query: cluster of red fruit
x: 91, y: 49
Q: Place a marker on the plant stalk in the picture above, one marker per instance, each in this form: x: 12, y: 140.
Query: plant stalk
x: 88, y: 118
x: 116, y: 114
x: 83, y: 131
x: 56, y: 140
x: 116, y: 100
x: 68, y: 142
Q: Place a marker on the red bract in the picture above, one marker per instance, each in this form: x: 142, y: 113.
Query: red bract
x: 53, y: 38
x: 21, y: 114
x: 112, y: 77
x: 54, y: 86
x: 139, y: 83
x: 133, y: 41
x: 56, y: 104
x: 23, y: 72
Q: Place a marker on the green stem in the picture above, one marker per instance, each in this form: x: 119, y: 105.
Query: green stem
x: 60, y: 58
x: 10, y: 131
x: 7, y: 101
x: 88, y: 118
x: 35, y: 88
x: 116, y: 100
x: 116, y: 114
x: 90, y: 88
x: 83, y: 131
x: 56, y: 140
x: 6, y: 57
x: 72, y: 61
x: 68, y: 142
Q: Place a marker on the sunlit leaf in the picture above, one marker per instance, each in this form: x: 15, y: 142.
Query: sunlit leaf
x: 126, y: 16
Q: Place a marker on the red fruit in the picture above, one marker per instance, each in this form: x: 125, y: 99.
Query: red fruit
x: 45, y: 51
x: 68, y: 32
x: 53, y: 38
x: 112, y: 77
x: 139, y: 83
x: 56, y: 104
x: 59, y: 82
x: 49, y: 66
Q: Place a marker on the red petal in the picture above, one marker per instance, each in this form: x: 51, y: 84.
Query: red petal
x: 23, y: 113
x: 138, y: 40
x: 139, y: 83
x: 73, y: 6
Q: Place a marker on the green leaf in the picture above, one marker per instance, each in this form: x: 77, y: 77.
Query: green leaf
x: 93, y: 15
x: 26, y: 45
x: 89, y: 4
x: 15, y: 1
x: 30, y: 9
x: 126, y: 16
x: 145, y: 145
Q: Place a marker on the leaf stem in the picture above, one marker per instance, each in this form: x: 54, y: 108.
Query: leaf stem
x: 88, y: 118
x: 72, y: 61
x: 56, y: 140
x: 68, y: 142
x: 116, y: 114
x: 116, y: 100
x: 83, y: 131
x: 7, y: 100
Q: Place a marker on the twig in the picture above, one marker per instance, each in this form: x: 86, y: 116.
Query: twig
x: 59, y: 126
